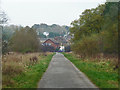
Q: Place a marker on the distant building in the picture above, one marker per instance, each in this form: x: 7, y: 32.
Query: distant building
x: 59, y: 43
x: 60, y: 40
x: 62, y: 48
x: 50, y: 42
x: 42, y: 40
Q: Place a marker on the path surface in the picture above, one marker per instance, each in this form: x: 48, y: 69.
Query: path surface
x: 61, y: 73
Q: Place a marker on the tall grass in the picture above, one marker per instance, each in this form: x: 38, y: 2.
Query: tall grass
x: 19, y: 71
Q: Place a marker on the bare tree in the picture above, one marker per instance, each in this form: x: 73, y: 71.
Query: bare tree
x: 3, y: 21
x: 3, y: 17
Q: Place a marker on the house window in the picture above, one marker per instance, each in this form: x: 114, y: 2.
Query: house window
x: 48, y: 44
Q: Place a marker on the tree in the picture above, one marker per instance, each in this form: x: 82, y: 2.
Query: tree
x: 96, y: 31
x: 89, y: 22
x: 3, y: 20
x: 25, y: 40
x: 110, y: 28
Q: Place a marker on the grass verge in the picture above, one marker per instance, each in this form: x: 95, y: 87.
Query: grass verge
x: 31, y: 75
x: 99, y: 72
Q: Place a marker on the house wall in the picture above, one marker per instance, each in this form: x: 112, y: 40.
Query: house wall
x: 52, y: 43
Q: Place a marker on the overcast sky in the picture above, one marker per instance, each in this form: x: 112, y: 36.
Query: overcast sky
x: 62, y: 12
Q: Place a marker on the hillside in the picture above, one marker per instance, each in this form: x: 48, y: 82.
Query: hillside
x: 53, y: 30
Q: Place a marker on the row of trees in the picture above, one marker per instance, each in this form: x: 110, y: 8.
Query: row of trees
x: 96, y: 31
x: 23, y: 39
x: 53, y: 30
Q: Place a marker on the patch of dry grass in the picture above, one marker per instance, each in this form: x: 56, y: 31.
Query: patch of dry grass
x: 101, y: 58
x: 17, y: 63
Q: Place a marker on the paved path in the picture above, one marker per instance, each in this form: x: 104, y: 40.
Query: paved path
x: 61, y: 73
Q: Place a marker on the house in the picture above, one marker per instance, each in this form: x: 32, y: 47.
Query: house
x: 42, y: 40
x: 60, y: 39
x: 50, y: 42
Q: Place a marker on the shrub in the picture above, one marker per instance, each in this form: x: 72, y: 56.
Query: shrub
x: 110, y: 41
x: 67, y: 49
x: 48, y: 48
x: 87, y: 46
x: 24, y: 40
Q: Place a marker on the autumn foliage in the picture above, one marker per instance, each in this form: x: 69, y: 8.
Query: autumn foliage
x: 96, y: 31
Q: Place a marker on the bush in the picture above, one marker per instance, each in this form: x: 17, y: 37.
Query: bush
x: 47, y: 48
x: 67, y: 49
x: 24, y: 40
x: 87, y: 46
x: 110, y: 41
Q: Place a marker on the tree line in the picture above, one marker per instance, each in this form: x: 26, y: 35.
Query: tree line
x: 53, y: 30
x: 96, y: 31
x: 23, y: 39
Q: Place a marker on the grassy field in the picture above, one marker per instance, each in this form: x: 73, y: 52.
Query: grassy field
x: 20, y: 72
x: 101, y: 73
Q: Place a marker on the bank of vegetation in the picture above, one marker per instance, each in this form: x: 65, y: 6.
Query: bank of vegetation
x: 24, y: 70
x: 23, y: 60
x: 23, y: 39
x: 96, y: 31
x: 100, y: 71
x: 95, y: 42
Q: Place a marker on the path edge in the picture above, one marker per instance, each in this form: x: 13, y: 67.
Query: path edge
x: 80, y: 72
x: 44, y: 72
